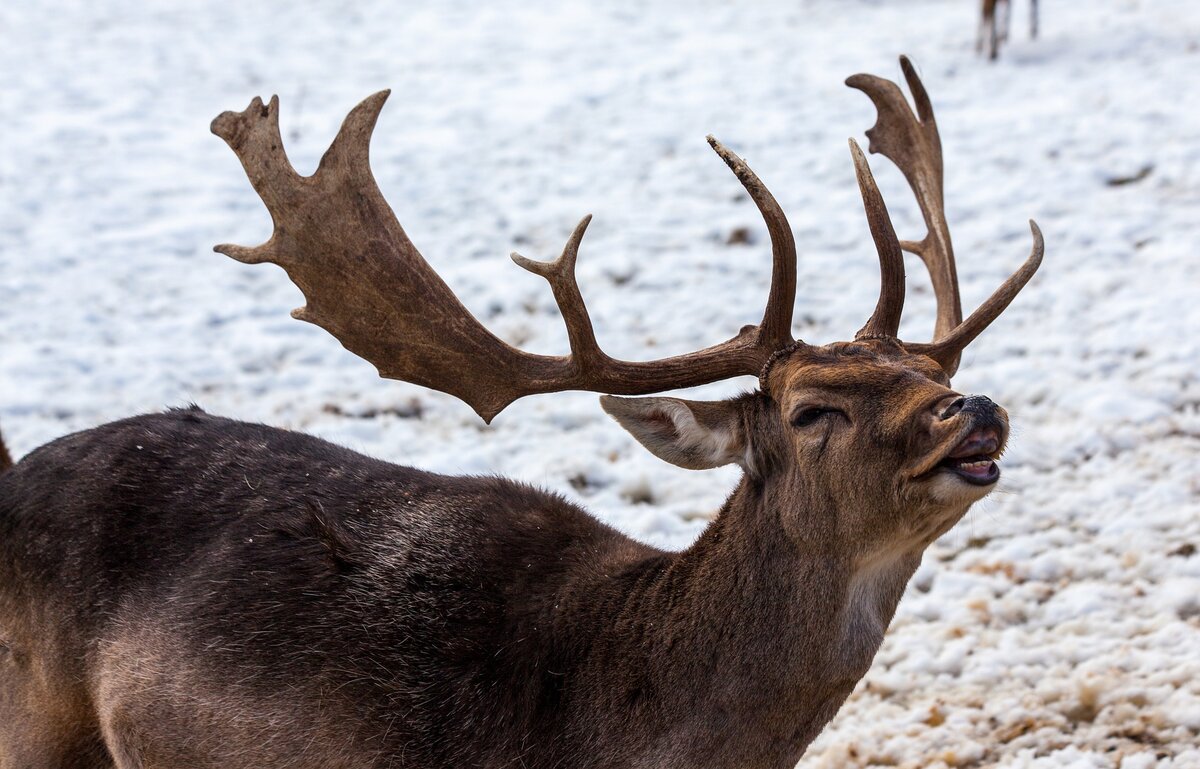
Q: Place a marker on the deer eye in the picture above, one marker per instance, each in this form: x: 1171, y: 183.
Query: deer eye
x: 809, y: 415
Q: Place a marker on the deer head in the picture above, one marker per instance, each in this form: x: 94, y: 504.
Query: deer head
x: 872, y: 426
x: 862, y: 430
x: 872, y: 422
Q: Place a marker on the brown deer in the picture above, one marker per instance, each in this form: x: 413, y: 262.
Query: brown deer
x: 181, y: 590
x: 995, y: 18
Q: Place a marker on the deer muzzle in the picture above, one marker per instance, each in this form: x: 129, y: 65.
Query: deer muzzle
x: 973, y: 456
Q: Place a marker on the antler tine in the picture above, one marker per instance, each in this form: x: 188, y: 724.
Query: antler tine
x: 776, y: 327
x: 912, y: 142
x: 350, y: 150
x: 946, y: 351
x: 885, y: 321
x: 560, y: 273
x: 254, y: 135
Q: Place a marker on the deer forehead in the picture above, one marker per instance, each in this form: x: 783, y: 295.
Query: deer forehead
x: 847, y: 374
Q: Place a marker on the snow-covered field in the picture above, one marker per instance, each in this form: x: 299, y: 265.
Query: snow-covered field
x: 1057, y: 626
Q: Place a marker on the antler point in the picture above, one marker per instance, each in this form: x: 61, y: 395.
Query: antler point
x: 242, y: 254
x: 1039, y: 244
x: 577, y: 235
x: 543, y: 269
x: 726, y: 154
x: 379, y: 97
x: 860, y: 160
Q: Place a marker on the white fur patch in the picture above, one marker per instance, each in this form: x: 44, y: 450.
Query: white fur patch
x: 872, y: 595
x: 945, y: 487
x: 716, y: 446
x: 668, y: 427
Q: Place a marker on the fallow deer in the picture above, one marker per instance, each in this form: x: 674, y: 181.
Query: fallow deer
x: 995, y: 17
x: 181, y: 590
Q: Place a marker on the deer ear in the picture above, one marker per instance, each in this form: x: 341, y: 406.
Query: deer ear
x: 698, y: 435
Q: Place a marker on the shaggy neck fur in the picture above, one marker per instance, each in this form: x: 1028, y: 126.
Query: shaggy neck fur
x: 768, y: 632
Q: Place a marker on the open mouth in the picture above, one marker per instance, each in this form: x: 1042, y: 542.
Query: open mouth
x: 974, y: 458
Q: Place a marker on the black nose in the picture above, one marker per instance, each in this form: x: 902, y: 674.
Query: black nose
x: 980, y: 404
x: 954, y: 408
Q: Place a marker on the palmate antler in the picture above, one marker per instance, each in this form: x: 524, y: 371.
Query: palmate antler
x: 367, y: 285
x: 913, y: 144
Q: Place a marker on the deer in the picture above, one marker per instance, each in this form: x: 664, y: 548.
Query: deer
x: 993, y: 31
x: 183, y: 590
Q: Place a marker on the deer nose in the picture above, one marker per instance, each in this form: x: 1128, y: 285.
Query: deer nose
x: 981, y: 405
x: 955, y: 406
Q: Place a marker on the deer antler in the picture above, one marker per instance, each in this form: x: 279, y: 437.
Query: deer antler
x: 913, y: 144
x: 367, y: 285
x: 885, y: 321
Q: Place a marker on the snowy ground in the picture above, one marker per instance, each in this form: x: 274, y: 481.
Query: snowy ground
x: 1058, y: 626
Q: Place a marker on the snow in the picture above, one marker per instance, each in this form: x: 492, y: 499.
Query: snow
x: 1057, y: 626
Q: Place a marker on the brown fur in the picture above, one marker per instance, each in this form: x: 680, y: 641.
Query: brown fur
x: 5, y: 458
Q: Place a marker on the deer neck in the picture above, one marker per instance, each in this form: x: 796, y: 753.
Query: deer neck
x: 838, y: 593
x: 786, y: 628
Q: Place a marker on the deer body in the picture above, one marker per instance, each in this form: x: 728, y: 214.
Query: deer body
x: 276, y: 582
x: 181, y: 590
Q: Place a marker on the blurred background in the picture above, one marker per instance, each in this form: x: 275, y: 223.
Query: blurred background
x: 1057, y: 626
